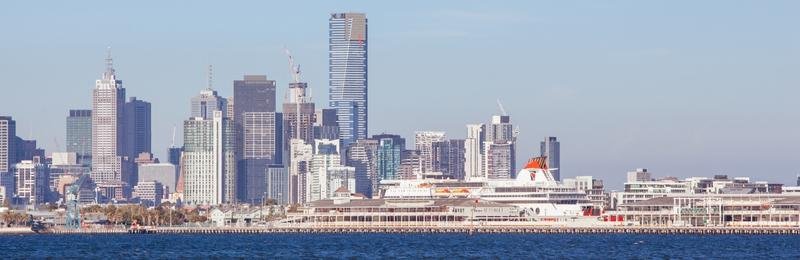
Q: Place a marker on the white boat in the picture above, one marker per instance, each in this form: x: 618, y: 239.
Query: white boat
x: 534, y: 191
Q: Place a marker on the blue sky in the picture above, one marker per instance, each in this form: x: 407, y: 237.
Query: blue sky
x: 684, y: 88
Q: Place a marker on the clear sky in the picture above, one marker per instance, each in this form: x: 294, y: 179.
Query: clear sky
x: 684, y: 88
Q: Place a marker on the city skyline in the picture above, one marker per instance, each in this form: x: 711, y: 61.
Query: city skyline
x: 701, y: 130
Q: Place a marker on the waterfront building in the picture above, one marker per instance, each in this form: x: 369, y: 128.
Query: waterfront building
x: 448, y: 157
x: 423, y: 142
x: 594, y: 188
x: 473, y: 151
x: 108, y: 102
x: 298, y: 114
x: 278, y: 184
x: 79, y: 134
x: 639, y: 175
x: 32, y: 182
x: 327, y: 154
x: 150, y: 193
x: 300, y: 156
x: 498, y: 162
x: 348, y: 74
x: 325, y: 124
x: 209, y: 162
x: 551, y: 148
x: 363, y: 157
x: 163, y: 173
x: 389, y: 154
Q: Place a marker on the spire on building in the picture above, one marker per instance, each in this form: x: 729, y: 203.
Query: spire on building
x: 109, y: 65
x: 210, y: 77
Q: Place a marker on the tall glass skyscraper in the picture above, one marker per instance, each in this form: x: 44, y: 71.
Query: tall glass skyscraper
x: 79, y: 135
x: 347, y: 74
x: 551, y: 148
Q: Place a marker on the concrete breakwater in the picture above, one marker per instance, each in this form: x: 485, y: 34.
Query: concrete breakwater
x: 468, y: 230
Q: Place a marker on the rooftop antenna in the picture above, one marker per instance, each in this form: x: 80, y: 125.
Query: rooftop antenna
x: 502, y: 110
x: 109, y: 62
x: 210, y: 77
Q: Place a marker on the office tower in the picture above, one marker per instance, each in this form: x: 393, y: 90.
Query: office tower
x: 79, y: 134
x: 300, y: 156
x: 410, y: 165
x: 341, y: 176
x: 423, y: 142
x: 174, y: 158
x: 8, y: 144
x: 209, y: 162
x: 499, y: 160
x: 501, y: 138
x: 27, y: 149
x: 252, y: 94
x: 347, y: 74
x: 108, y: 102
x: 551, y: 148
x: 326, y: 125
x: 390, y: 152
x: 149, y: 193
x: 326, y: 155
x: 138, y: 130
x: 363, y: 157
x: 163, y: 173
x: 32, y: 182
x: 449, y: 159
x: 262, y: 147
x: 229, y: 108
x: 277, y: 184
x: 298, y: 115
x: 204, y: 104
x: 473, y: 151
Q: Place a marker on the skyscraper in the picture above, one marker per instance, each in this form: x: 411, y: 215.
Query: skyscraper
x: 261, y: 136
x: 8, y: 146
x: 500, y: 149
x: 473, y: 150
x: 325, y: 125
x: 32, y: 181
x: 551, y: 148
x: 252, y: 94
x: 204, y: 104
x: 449, y: 159
x: 347, y: 74
x: 277, y: 184
x: 390, y: 152
x: 107, y: 128
x: 209, y: 162
x: 363, y: 157
x: 327, y: 154
x: 138, y: 132
x: 423, y: 142
x: 300, y: 156
x: 79, y: 135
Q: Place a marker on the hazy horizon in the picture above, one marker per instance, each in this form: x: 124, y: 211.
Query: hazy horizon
x: 681, y: 88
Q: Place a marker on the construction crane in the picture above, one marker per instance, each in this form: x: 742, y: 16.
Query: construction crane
x: 502, y: 110
x: 173, y: 137
x: 73, y: 203
x: 294, y: 70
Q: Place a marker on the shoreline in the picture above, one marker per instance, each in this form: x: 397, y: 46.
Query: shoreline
x: 435, y: 230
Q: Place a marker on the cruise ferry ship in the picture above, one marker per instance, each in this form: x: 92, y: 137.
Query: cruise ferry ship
x: 534, y: 191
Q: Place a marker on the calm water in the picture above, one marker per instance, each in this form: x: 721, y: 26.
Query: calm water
x: 400, y: 246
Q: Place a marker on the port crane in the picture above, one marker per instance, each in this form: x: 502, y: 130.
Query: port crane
x: 73, y: 202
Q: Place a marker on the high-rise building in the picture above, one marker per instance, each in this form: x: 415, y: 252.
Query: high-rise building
x: 327, y: 154
x: 341, y: 176
x: 298, y: 115
x: 252, y: 186
x: 79, y: 134
x: 209, y: 161
x: 32, y: 181
x: 499, y: 149
x: 449, y: 159
x: 348, y: 74
x: 278, y: 184
x: 253, y: 94
x: 300, y: 156
x: 262, y: 136
x: 138, y: 134
x: 423, y: 142
x: 410, y: 165
x: 8, y: 144
x: 363, y: 157
x: 390, y: 152
x: 108, y: 103
x: 551, y: 148
x: 174, y: 158
x: 499, y: 160
x: 326, y: 125
x: 163, y: 173
x: 204, y: 104
x: 473, y: 151
x: 27, y: 149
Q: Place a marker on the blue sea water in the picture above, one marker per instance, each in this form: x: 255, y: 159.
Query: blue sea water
x: 413, y: 246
